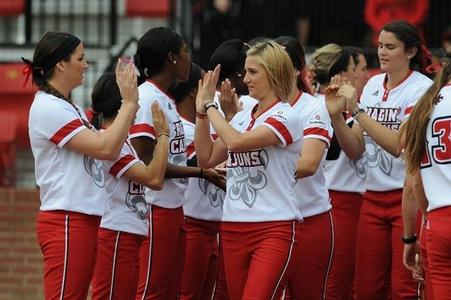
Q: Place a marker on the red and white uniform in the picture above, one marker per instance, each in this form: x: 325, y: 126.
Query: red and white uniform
x: 164, y: 250
x: 390, y: 108
x: 248, y: 102
x: 436, y: 176
x: 312, y: 194
x: 345, y: 180
x: 172, y: 194
x: 203, y: 200
x: 255, y: 178
x: 69, y: 217
x: 380, y: 224
x: 203, y: 212
x: 122, y: 231
x: 260, y: 212
x: 309, y: 277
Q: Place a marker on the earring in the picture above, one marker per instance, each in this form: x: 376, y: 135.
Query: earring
x: 174, y: 62
x: 408, y: 57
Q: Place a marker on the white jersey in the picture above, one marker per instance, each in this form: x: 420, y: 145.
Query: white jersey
x: 344, y: 174
x: 129, y: 209
x: 248, y: 102
x: 203, y: 200
x: 67, y: 179
x: 172, y: 194
x: 312, y: 193
x: 435, y: 165
x: 260, y: 181
x: 390, y: 108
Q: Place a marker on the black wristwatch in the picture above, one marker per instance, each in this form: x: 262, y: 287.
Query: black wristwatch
x: 209, y: 105
x: 409, y: 240
x: 355, y: 113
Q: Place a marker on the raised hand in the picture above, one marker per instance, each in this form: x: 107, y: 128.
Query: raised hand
x: 335, y: 103
x: 206, y: 89
x: 229, y: 100
x: 127, y: 82
x: 159, y: 120
x: 348, y: 92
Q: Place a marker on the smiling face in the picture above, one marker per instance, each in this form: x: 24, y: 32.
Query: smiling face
x: 392, y: 54
x: 75, y: 68
x: 256, y: 79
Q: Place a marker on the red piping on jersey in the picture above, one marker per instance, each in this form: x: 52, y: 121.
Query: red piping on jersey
x: 281, y: 128
x: 140, y: 128
x: 65, y: 131
x: 121, y: 164
x: 253, y: 117
x: 387, y: 91
x: 161, y: 90
x: 297, y: 99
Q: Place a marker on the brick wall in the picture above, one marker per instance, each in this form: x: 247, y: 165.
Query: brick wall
x: 20, y: 256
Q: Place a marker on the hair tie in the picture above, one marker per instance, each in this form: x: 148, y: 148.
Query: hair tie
x: 426, y: 59
x: 27, y: 70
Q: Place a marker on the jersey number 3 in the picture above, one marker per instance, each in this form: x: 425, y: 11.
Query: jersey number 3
x: 441, y: 151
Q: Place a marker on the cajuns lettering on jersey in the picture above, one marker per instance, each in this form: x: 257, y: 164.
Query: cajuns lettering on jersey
x: 245, y: 159
x: 177, y: 144
x: 387, y: 116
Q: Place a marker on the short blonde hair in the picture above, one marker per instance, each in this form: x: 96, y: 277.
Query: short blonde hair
x: 322, y: 61
x: 277, y: 64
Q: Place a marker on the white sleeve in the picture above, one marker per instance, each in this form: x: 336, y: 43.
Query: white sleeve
x: 143, y: 125
x: 317, y: 124
x: 126, y: 160
x: 286, y: 125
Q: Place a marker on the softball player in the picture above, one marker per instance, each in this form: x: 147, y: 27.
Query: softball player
x: 427, y: 137
x: 67, y: 154
x: 387, y: 101
x: 315, y: 234
x: 163, y: 59
x: 261, y: 146
x: 125, y: 226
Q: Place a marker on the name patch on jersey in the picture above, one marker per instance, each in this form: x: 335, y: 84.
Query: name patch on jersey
x: 177, y: 144
x: 245, y: 159
x: 387, y: 116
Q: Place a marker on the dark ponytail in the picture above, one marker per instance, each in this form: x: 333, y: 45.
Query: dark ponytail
x: 106, y: 99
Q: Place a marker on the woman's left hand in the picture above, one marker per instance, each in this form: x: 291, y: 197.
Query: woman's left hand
x: 213, y: 176
x: 206, y: 89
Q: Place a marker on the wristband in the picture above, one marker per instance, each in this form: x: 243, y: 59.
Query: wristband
x: 201, y: 115
x: 210, y: 105
x: 201, y: 174
x: 409, y: 240
x: 355, y: 113
x: 162, y: 134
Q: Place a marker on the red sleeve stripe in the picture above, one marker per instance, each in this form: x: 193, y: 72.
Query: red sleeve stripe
x: 142, y: 129
x: 66, y: 130
x: 317, y: 132
x: 281, y: 128
x: 190, y: 152
x: 408, y: 110
x: 121, y: 164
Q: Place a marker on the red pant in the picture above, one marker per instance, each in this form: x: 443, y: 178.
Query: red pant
x: 312, y: 259
x: 379, y: 267
x: 257, y: 256
x: 346, y: 211
x: 428, y: 293
x: 439, y: 251
x: 161, y: 255
x: 201, y: 259
x: 220, y: 290
x: 68, y: 242
x: 116, y: 272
